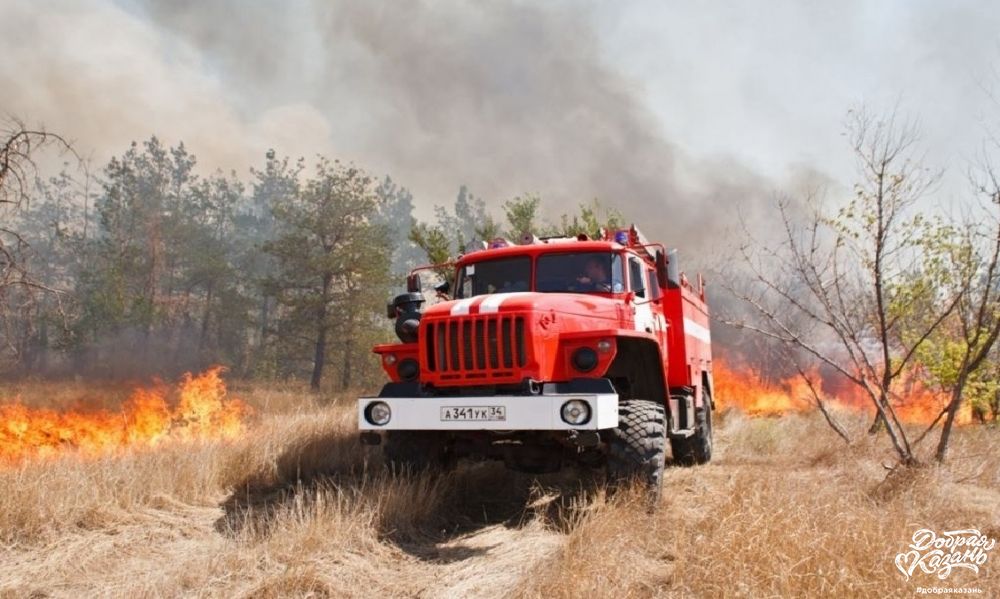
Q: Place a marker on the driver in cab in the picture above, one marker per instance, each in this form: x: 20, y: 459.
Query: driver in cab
x: 595, y: 276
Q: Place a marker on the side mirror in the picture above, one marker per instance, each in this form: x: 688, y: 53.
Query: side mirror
x: 413, y: 283
x: 407, y: 309
x: 673, y: 274
x: 661, y: 269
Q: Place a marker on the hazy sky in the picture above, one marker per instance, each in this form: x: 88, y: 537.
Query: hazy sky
x: 771, y: 81
x: 676, y: 111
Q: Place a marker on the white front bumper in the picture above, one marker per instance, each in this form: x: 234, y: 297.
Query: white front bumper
x: 537, y: 412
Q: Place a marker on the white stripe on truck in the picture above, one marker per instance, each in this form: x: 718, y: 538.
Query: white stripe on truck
x: 461, y: 307
x: 491, y: 304
x: 697, y: 331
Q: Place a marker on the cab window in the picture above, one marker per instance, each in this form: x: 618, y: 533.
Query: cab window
x: 654, y: 285
x: 580, y: 272
x: 494, y: 276
x: 635, y: 278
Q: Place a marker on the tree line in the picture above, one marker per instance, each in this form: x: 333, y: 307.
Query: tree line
x: 149, y: 267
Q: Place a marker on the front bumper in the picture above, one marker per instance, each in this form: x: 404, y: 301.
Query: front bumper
x: 519, y: 412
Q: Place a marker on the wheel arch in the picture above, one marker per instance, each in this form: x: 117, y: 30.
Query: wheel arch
x: 639, y: 362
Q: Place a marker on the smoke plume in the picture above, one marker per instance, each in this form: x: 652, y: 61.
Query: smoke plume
x: 505, y: 97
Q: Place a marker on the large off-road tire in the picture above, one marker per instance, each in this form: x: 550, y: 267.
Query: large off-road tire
x: 696, y: 449
x: 637, y: 448
x: 413, y: 450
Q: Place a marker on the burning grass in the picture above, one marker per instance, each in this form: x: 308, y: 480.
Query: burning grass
x: 200, y: 411
x: 748, y: 390
x: 294, y: 507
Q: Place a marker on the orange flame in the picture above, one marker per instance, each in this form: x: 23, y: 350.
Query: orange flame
x: 748, y: 390
x: 203, y: 412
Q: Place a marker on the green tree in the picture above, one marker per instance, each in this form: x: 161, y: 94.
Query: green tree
x: 128, y: 267
x: 590, y: 218
x: 397, y: 217
x: 53, y: 225
x: 451, y: 234
x: 522, y: 214
x: 332, y: 262
x: 971, y: 273
x: 277, y: 182
x: 161, y: 284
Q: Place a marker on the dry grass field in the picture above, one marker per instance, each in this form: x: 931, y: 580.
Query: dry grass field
x: 295, y: 507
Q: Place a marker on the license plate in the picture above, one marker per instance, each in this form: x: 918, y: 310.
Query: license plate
x: 474, y: 414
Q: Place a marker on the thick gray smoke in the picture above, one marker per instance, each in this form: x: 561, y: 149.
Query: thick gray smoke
x: 505, y: 97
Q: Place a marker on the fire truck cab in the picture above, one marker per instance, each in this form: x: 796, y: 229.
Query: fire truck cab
x: 549, y: 351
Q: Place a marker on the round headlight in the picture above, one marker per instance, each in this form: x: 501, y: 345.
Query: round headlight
x: 575, y: 412
x: 390, y: 359
x: 408, y: 369
x: 585, y: 359
x: 378, y: 413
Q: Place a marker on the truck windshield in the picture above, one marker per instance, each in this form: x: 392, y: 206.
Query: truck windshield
x: 494, y: 276
x: 580, y: 272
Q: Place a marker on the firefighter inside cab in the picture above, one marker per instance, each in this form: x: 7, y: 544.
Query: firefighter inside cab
x: 595, y: 276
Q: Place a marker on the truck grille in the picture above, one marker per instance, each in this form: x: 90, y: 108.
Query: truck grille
x: 476, y: 344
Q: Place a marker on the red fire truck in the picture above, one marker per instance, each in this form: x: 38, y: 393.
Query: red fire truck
x: 548, y: 352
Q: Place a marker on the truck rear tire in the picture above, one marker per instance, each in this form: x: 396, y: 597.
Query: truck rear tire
x: 637, y: 448
x: 413, y: 450
x: 696, y: 449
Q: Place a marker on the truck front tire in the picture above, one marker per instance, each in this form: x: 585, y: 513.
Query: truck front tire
x: 637, y: 448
